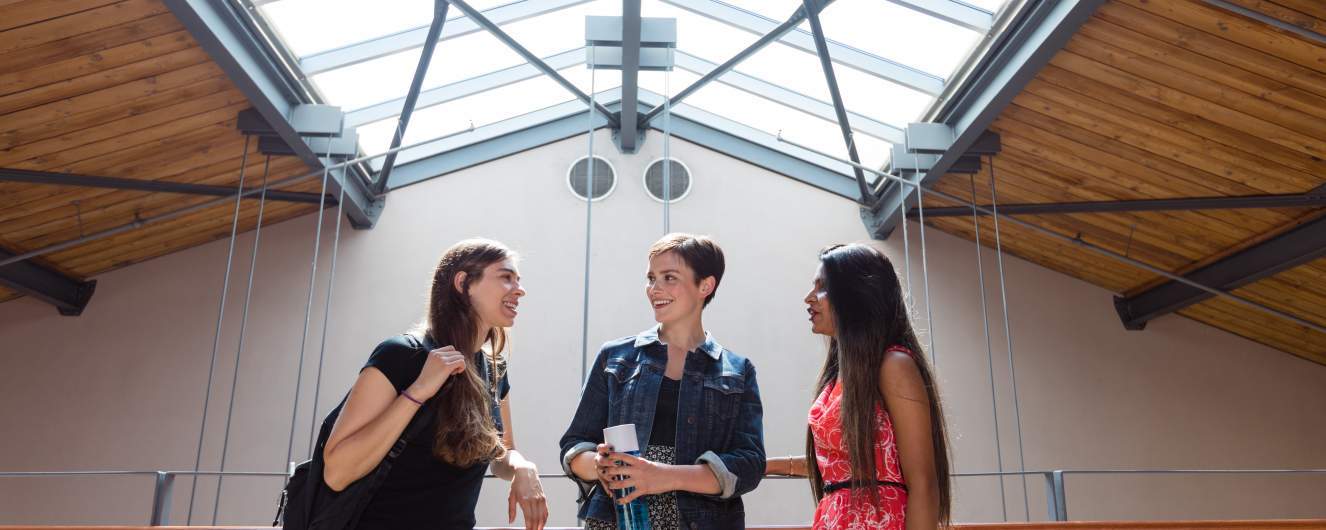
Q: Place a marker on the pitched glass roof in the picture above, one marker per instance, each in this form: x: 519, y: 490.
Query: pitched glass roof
x: 891, y: 58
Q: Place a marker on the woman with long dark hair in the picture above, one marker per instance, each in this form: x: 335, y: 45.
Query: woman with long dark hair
x: 435, y: 481
x: 876, y: 448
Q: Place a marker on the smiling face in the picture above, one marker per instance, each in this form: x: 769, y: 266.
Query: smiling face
x: 496, y: 295
x: 672, y: 289
x: 817, y: 305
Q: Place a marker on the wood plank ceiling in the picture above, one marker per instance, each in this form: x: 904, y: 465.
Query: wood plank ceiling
x: 118, y: 88
x: 1163, y: 99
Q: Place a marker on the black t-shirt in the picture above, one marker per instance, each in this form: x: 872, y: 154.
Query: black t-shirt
x: 422, y: 491
x: 664, y: 431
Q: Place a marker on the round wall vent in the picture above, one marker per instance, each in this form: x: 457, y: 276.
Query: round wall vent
x: 605, y: 178
x: 679, y: 180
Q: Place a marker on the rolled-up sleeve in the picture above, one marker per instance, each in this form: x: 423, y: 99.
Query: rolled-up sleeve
x: 591, y: 416
x: 740, y: 467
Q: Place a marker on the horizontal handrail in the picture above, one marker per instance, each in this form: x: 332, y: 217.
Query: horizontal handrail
x: 1055, y: 495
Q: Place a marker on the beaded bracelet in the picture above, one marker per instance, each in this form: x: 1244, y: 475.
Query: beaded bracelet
x: 407, y: 395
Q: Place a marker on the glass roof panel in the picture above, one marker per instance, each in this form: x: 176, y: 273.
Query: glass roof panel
x: 899, y: 34
x: 773, y: 118
x: 481, y: 109
x: 699, y: 35
x: 389, y: 77
x: 878, y: 27
x: 312, y: 26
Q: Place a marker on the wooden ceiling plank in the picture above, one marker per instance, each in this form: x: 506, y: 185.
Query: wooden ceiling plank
x: 1159, y: 241
x: 1257, y: 86
x: 1306, y: 304
x: 1315, y: 8
x: 126, y: 134
x: 1169, y: 237
x: 90, y: 20
x: 1235, y: 28
x: 1146, y: 109
x: 1284, y: 14
x: 35, y: 199
x: 1199, y: 42
x: 193, y: 170
x: 175, y: 235
x: 1215, y: 164
x: 94, y: 100
x: 1158, y: 93
x: 1049, y: 253
x: 58, y: 222
x: 1257, y: 172
x: 90, y: 42
x: 148, y: 72
x: 85, y: 65
x: 1216, y: 91
x: 154, y: 245
x: 1150, y: 178
x: 111, y: 121
x: 29, y: 12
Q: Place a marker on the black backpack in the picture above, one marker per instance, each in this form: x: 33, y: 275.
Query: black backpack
x: 308, y: 504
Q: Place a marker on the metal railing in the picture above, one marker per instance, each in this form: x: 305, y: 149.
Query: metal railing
x: 1056, y: 497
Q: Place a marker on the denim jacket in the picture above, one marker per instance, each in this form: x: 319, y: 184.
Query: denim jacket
x: 719, y: 423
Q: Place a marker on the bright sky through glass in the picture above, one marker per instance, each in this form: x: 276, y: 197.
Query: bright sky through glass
x: 877, y: 27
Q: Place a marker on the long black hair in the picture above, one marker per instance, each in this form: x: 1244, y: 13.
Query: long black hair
x: 871, y: 316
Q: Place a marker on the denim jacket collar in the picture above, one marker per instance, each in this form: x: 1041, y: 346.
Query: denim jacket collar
x: 650, y: 336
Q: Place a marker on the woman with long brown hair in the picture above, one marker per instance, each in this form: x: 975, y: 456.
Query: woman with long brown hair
x: 441, y: 369
x: 876, y: 448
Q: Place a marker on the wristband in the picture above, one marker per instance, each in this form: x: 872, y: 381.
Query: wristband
x: 407, y: 395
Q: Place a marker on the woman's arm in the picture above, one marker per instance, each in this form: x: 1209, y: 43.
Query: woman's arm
x: 908, y: 404
x: 374, y: 417
x: 526, y: 489
x: 792, y: 466
x: 586, y: 430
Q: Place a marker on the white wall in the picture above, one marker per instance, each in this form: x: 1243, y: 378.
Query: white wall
x: 122, y: 386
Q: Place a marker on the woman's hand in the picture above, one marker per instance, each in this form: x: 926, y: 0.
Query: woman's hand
x: 441, y: 364
x: 648, y: 478
x: 527, y: 492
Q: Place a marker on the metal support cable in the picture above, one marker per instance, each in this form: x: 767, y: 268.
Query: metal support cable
x: 243, y: 327
x: 308, y: 308
x: 589, y: 218
x: 925, y: 281
x: 667, y: 152
x: 989, y: 351
x: 326, y: 316
x: 216, y: 338
x: 1008, y: 335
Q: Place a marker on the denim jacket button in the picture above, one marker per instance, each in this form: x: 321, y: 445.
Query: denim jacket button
x: 690, y: 420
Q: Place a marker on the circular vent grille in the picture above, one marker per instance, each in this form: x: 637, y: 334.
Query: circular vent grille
x: 605, y: 178
x: 679, y: 180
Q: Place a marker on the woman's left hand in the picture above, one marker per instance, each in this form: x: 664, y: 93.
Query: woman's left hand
x: 527, y: 491
x: 648, y: 478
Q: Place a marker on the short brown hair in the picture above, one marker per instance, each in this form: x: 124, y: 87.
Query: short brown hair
x: 700, y: 253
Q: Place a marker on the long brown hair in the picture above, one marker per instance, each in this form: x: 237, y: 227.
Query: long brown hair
x: 466, y: 434
x: 871, y: 316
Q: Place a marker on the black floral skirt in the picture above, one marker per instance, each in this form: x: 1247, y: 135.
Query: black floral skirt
x: 663, y: 513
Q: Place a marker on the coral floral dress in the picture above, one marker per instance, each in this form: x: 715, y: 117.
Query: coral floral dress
x: 838, y: 510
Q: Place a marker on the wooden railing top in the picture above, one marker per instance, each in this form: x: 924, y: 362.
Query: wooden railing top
x: 1275, y: 524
